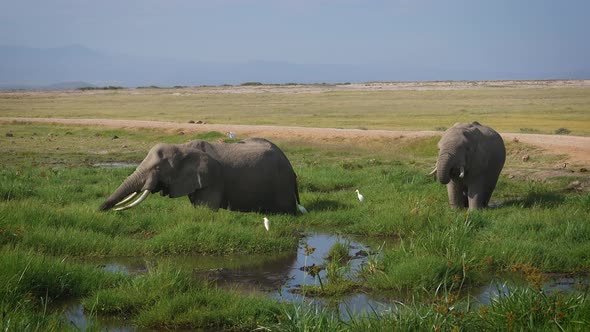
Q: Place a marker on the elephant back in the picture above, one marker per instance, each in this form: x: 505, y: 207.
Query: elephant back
x: 250, y: 152
x: 201, y: 145
x: 475, y: 129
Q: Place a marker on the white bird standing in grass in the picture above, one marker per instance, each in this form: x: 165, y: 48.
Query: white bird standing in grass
x: 266, y: 223
x: 231, y: 135
x: 302, y: 209
x: 361, y: 197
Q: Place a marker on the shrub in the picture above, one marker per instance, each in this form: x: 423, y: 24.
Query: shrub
x: 110, y: 87
x: 149, y: 87
x: 563, y: 131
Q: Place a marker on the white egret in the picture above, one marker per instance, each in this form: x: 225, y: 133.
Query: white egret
x: 266, y: 223
x: 302, y: 209
x: 361, y: 197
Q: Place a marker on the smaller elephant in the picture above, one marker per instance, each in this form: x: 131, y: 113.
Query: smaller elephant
x: 250, y: 175
x: 470, y: 159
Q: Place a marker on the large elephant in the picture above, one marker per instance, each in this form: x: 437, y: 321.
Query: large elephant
x: 251, y: 175
x: 470, y: 158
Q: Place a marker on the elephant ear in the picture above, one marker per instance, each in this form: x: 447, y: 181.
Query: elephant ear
x: 193, y: 171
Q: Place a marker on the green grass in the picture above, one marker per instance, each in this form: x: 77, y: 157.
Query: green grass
x: 50, y: 225
x: 75, y: 227
x: 525, y: 309
x: 31, y: 283
x: 170, y: 299
x: 338, y: 253
x: 210, y: 135
x: 538, y: 109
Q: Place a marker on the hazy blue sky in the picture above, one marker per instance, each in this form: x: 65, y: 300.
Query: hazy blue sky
x: 466, y: 34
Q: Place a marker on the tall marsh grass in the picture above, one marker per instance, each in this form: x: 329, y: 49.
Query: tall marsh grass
x: 49, y: 214
x: 172, y: 299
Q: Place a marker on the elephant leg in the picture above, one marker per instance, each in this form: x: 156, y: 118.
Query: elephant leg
x: 209, y: 197
x: 479, y: 195
x: 457, y: 197
x: 286, y: 203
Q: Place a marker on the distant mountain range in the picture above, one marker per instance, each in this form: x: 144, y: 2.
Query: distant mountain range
x: 76, y: 66
x: 55, y: 86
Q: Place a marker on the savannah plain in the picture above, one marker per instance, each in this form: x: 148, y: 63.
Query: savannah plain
x: 428, y: 263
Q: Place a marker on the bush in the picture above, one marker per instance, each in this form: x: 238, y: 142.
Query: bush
x: 110, y: 87
x: 563, y: 131
x: 251, y: 84
x: 149, y: 87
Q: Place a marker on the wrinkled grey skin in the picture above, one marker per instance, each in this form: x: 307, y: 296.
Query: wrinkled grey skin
x: 251, y: 175
x: 480, y: 151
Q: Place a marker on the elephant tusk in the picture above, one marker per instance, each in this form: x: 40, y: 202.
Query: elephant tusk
x: 433, y: 172
x: 139, y: 200
x: 462, y: 174
x: 126, y: 199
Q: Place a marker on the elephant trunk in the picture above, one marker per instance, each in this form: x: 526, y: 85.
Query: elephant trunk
x: 444, y: 165
x: 131, y: 185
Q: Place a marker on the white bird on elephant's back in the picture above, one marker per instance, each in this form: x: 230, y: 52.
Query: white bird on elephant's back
x: 266, y: 223
x: 360, y: 196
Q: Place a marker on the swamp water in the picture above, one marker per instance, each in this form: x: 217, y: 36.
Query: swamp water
x: 282, y: 276
x: 554, y: 283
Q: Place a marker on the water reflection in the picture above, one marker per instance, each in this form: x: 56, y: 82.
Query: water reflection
x: 358, y: 303
x: 566, y: 283
x: 491, y: 292
x: 321, y: 244
x: 279, y: 276
x: 555, y: 283
x: 77, y: 319
x: 282, y: 276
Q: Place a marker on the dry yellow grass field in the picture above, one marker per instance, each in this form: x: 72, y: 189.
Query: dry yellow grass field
x: 528, y: 106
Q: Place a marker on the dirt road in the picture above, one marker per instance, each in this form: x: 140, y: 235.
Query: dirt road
x: 576, y: 148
